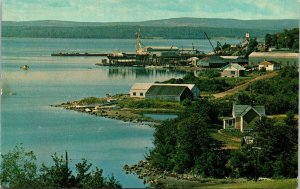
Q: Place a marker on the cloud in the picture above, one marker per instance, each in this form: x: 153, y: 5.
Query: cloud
x: 140, y: 10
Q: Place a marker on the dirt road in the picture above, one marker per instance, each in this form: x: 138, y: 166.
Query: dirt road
x: 243, y: 86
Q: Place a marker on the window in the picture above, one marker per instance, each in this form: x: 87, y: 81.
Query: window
x: 232, y: 72
x: 141, y: 94
x: 134, y: 93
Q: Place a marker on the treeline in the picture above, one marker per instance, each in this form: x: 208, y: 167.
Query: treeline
x: 286, y: 39
x: 279, y: 94
x: 19, y: 170
x: 128, y: 32
x: 208, y: 81
x: 184, y: 145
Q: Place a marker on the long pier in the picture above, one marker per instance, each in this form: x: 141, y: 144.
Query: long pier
x: 79, y: 54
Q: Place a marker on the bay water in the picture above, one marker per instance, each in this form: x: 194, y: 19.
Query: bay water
x: 28, y: 118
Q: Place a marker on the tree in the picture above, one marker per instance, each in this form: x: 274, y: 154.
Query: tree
x: 179, y: 143
x: 19, y: 169
x: 58, y: 175
x: 272, y: 154
x: 252, y: 46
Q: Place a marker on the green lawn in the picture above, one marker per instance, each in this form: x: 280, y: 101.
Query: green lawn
x: 281, y: 183
x: 230, y: 139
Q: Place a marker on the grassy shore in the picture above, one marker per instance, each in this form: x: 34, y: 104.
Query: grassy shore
x: 122, y: 107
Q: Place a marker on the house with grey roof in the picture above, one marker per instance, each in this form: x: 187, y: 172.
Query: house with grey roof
x: 243, y: 116
x: 138, y: 90
x: 169, y: 93
x: 233, y: 70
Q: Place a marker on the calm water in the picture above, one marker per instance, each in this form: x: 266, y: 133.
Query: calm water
x: 27, y: 118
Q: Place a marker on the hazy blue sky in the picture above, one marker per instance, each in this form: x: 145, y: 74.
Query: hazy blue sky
x: 140, y: 10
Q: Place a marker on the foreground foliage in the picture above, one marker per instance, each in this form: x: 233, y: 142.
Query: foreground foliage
x: 19, y: 170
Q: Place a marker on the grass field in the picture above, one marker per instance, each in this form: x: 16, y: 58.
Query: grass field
x: 231, y: 140
x: 281, y: 183
x: 232, y: 184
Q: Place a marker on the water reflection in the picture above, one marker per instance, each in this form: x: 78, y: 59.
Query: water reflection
x: 126, y: 72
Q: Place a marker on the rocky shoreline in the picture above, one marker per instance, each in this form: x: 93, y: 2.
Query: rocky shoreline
x: 167, y: 179
x: 110, y: 107
x: 112, y: 112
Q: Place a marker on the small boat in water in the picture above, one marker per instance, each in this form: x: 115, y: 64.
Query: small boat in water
x: 24, y: 67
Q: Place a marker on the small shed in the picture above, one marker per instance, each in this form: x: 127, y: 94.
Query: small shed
x: 233, y: 70
x: 243, y: 116
x: 170, y: 93
x: 269, y: 65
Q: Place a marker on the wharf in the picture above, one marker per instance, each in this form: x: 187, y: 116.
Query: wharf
x: 79, y: 54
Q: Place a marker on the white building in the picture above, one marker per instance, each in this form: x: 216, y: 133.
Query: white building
x: 233, y: 70
x: 269, y: 66
x: 139, y: 90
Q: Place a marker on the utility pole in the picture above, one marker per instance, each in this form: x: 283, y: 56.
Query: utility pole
x: 67, y: 160
x: 256, y: 162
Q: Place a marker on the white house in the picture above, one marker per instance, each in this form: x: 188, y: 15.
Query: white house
x: 139, y: 90
x: 269, y: 65
x: 243, y: 116
x: 233, y: 70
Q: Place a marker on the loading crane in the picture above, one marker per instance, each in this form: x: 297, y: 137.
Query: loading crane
x: 218, y: 45
x: 210, y: 43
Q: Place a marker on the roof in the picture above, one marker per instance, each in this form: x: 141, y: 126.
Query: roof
x: 266, y: 63
x: 274, y: 54
x: 192, y: 58
x: 146, y: 86
x: 166, y: 90
x: 230, y: 57
x: 162, y: 48
x: 190, y: 86
x: 211, y: 60
x: 240, y: 110
x: 141, y: 86
x: 233, y: 66
x: 260, y: 109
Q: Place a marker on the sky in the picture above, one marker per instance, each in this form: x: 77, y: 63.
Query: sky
x: 142, y: 10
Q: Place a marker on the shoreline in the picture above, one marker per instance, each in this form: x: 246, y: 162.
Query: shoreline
x: 165, y: 179
x: 110, y: 107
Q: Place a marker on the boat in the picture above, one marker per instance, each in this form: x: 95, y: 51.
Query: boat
x: 24, y: 67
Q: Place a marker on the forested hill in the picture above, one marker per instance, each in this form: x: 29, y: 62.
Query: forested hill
x: 177, y: 28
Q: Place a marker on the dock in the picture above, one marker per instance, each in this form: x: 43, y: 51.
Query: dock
x: 78, y: 54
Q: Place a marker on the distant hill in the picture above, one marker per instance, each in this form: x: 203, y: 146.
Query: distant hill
x: 165, y: 28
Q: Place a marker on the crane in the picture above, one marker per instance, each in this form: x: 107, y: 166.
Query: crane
x: 210, y: 42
